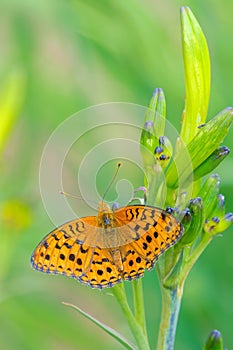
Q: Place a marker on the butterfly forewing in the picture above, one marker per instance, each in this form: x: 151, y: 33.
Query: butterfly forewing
x: 155, y: 225
x: 154, y: 230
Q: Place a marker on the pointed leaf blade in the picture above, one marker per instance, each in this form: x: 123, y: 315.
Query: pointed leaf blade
x: 117, y: 336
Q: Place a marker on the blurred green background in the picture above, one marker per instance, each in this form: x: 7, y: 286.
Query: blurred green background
x: 58, y: 57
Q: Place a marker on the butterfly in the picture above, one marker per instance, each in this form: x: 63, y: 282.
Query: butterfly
x: 101, y: 251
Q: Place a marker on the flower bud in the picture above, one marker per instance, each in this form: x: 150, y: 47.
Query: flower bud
x: 217, y: 225
x: 163, y: 151
x: 214, y: 341
x: 195, y: 227
x: 211, y: 162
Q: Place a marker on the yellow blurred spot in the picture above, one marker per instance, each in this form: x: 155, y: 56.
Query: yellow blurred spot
x: 15, y: 215
x: 12, y: 95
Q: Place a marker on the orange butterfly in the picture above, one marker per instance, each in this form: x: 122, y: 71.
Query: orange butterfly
x: 101, y: 251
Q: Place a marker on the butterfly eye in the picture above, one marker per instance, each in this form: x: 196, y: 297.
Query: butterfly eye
x: 106, y: 220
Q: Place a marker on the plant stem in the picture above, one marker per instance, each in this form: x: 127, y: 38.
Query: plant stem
x: 139, y: 304
x: 141, y: 339
x: 155, y: 197
x: 171, y: 300
x: 192, y: 258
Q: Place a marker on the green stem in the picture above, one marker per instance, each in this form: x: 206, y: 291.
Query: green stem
x: 119, y: 293
x: 194, y: 255
x: 139, y: 304
x: 155, y: 197
x: 171, y: 300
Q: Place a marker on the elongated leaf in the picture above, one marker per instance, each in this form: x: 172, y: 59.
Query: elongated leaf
x: 208, y: 138
x: 209, y: 194
x: 195, y: 228
x: 156, y: 112
x: 211, y: 162
x: 197, y: 75
x: 103, y: 326
x: 154, y: 125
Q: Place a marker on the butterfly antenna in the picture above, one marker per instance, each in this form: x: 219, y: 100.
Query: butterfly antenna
x: 70, y: 195
x: 111, y: 182
x: 73, y: 196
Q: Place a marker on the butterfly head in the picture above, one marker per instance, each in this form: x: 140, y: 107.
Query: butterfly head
x: 105, y: 215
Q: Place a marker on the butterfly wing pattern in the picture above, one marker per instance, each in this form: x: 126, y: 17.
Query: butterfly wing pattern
x: 101, y: 251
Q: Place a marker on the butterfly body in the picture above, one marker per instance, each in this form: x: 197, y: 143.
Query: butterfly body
x: 103, y: 250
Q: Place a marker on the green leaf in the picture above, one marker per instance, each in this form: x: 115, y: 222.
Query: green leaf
x: 107, y: 329
x: 219, y: 208
x: 156, y: 112
x: 208, y: 138
x: 214, y: 341
x: 154, y: 125
x: 209, y: 193
x: 148, y: 144
x: 156, y: 149
x: 211, y: 162
x: 197, y: 75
